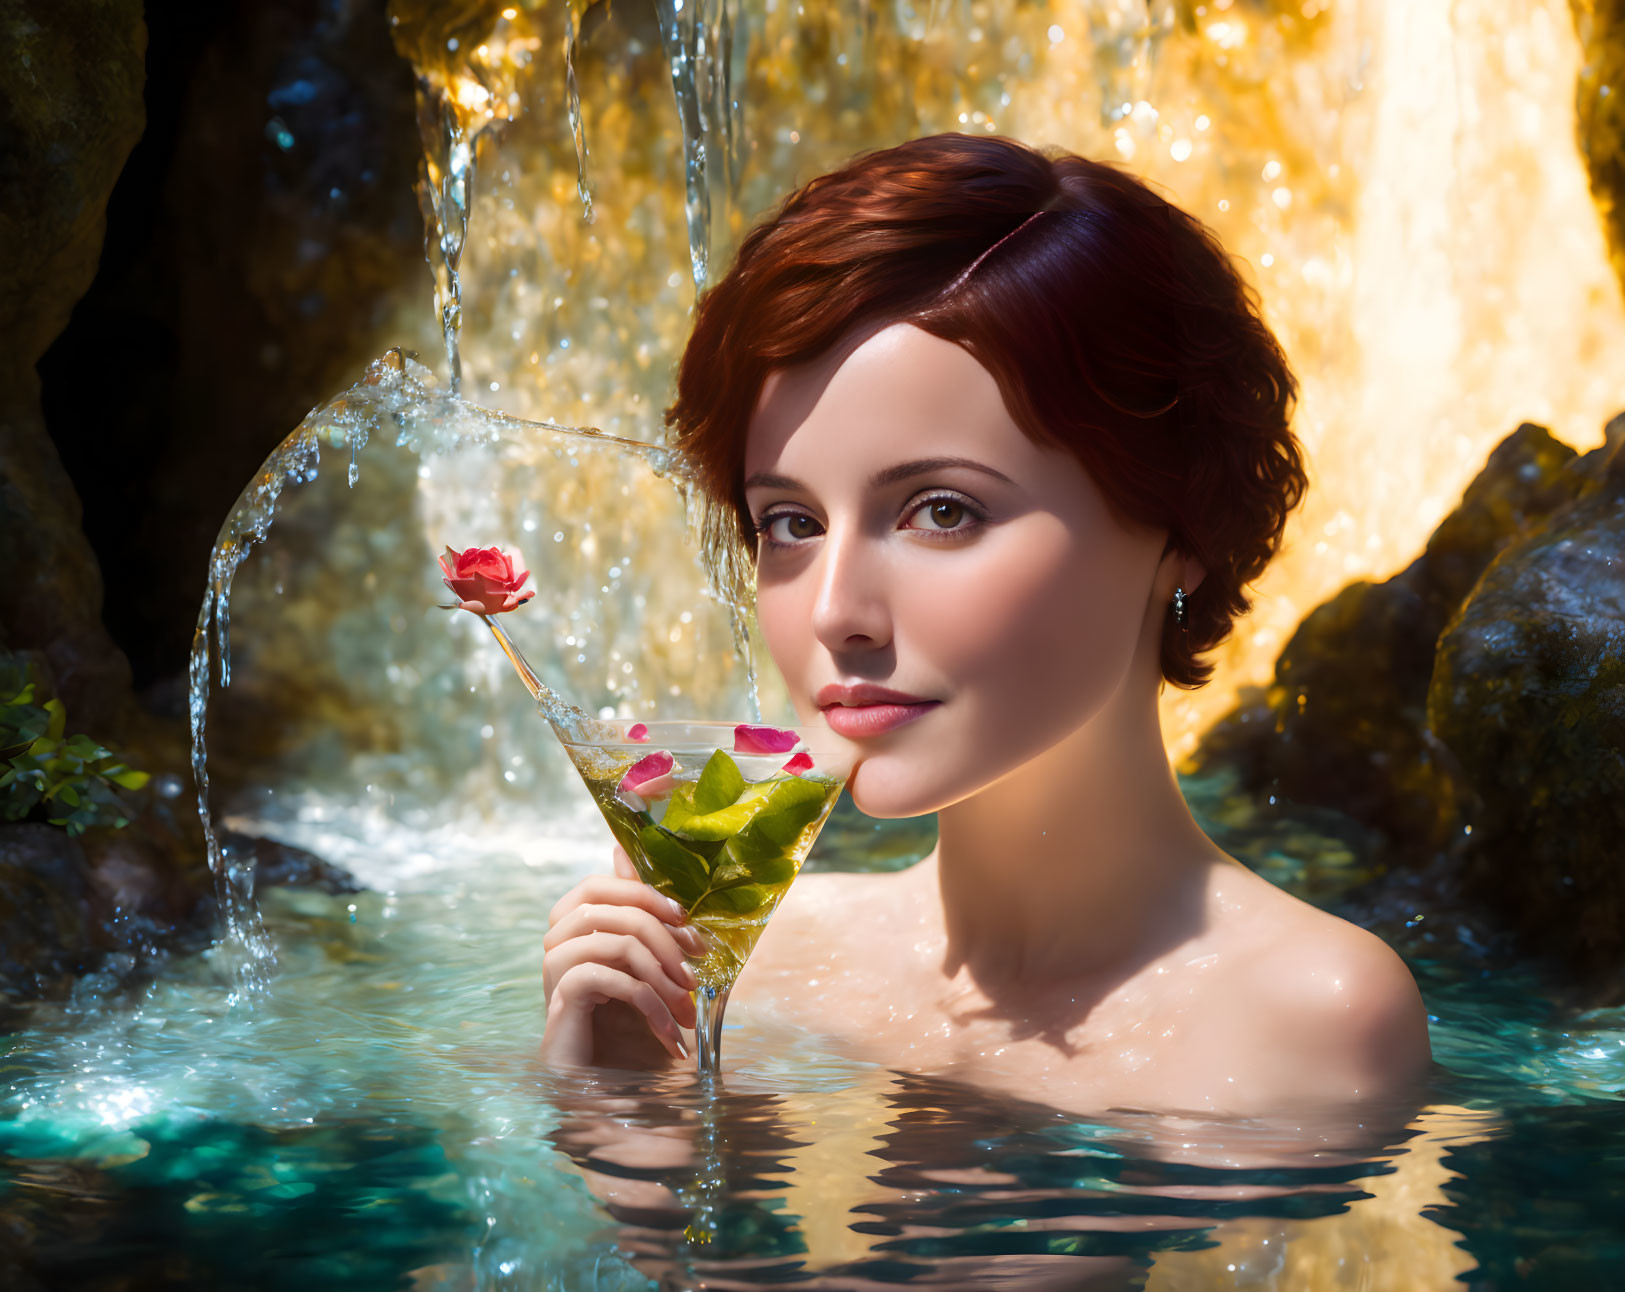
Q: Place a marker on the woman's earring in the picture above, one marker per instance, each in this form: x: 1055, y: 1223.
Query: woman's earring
x: 1179, y: 608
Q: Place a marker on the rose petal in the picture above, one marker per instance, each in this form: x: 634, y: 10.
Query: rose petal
x: 489, y: 561
x: 802, y: 762
x: 480, y: 560
x: 763, y: 740
x: 644, y: 777
x: 638, y: 733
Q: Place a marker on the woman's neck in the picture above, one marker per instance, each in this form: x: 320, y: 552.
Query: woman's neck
x: 1084, y: 861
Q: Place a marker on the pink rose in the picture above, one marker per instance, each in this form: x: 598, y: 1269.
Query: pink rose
x: 763, y: 740
x: 802, y: 762
x: 482, y: 580
x: 638, y: 734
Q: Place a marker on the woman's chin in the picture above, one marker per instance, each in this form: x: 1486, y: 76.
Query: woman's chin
x: 879, y: 792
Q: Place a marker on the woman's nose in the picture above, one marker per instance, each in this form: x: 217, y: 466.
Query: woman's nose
x: 851, y: 609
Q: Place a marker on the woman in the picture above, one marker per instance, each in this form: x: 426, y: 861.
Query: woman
x: 1006, y: 438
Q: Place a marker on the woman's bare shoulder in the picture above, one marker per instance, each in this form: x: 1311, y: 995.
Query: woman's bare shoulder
x: 1336, y: 1005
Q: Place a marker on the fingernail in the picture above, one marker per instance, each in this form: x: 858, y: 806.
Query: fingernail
x: 682, y: 1049
x: 688, y: 979
x: 693, y: 941
x: 676, y: 909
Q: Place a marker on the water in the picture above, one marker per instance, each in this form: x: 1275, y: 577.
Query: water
x: 379, y: 1119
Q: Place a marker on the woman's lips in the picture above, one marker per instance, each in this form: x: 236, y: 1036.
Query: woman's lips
x: 859, y: 720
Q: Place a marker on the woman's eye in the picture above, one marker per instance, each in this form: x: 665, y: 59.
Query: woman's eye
x: 942, y: 514
x: 788, y: 527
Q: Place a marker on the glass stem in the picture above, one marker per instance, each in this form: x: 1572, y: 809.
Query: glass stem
x: 709, y: 1003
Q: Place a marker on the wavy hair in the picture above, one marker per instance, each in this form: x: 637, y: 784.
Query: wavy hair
x: 1115, y: 324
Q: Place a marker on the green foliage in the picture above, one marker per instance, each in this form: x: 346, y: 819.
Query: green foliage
x: 720, y: 784
x: 725, y: 845
x: 71, y: 781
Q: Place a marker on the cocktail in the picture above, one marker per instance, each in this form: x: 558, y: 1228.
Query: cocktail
x: 718, y: 816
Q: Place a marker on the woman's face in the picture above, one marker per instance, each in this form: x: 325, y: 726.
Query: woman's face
x: 913, y: 538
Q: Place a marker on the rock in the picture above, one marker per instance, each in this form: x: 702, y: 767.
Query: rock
x: 260, y: 246
x: 1600, y: 113
x: 1471, y: 711
x: 1528, y: 692
x: 282, y: 863
x: 1344, y: 722
x: 70, y: 111
x: 47, y: 927
x: 114, y: 900
x: 255, y: 279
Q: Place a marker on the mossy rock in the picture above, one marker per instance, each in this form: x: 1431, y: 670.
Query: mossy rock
x: 1528, y: 692
x: 1343, y: 723
x: 1470, y: 712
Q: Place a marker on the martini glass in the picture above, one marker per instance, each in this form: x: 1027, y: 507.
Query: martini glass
x: 716, y: 821
x: 717, y: 815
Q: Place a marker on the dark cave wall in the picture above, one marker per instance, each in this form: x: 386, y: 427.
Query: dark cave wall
x: 259, y: 242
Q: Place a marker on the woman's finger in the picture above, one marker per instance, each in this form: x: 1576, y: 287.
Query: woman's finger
x: 669, y: 944
x: 611, y: 890
x: 623, y: 863
x: 627, y: 953
x: 585, y: 987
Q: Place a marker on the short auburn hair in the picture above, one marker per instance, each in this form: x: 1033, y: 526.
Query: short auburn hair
x: 1116, y: 326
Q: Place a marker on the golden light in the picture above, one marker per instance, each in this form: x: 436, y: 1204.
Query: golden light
x: 1399, y: 178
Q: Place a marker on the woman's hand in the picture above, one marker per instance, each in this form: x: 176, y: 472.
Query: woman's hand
x: 614, y: 973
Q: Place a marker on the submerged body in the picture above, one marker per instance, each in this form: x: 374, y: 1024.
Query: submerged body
x: 1247, y: 1002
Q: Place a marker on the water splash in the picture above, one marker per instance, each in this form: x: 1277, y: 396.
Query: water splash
x: 444, y: 447
x: 293, y: 461
x: 573, y: 93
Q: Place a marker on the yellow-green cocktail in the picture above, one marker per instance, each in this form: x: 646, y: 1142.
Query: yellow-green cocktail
x: 719, y: 817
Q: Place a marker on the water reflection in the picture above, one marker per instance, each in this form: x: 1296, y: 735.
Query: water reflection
x: 907, y: 1179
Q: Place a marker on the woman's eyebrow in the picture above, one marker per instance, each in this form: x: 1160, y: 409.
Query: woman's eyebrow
x: 891, y: 475
x: 924, y: 466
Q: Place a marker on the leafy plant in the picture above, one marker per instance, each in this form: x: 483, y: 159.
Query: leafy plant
x: 73, y: 781
x: 723, y: 843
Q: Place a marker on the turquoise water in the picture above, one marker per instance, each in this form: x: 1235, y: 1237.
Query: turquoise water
x: 378, y: 1121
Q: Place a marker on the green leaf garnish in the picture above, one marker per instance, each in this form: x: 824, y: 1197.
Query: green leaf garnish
x: 686, y: 874
x: 719, y: 785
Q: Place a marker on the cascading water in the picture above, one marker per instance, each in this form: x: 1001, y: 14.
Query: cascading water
x: 1378, y: 166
